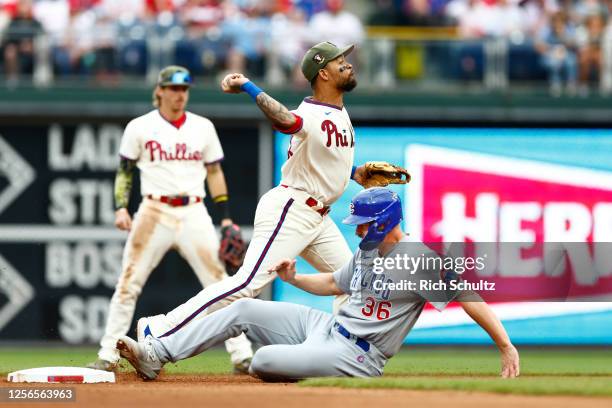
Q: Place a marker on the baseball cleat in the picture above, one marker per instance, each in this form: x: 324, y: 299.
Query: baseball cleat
x: 103, y: 365
x: 242, y: 368
x: 141, y: 356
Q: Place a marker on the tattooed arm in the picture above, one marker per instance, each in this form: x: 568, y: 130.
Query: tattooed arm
x: 276, y: 112
x: 123, y: 189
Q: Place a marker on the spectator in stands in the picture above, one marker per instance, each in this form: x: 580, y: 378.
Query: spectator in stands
x: 200, y: 16
x: 18, y: 47
x: 336, y: 25
x: 8, y: 9
x: 154, y: 8
x: 537, y: 15
x: 202, y: 20
x: 424, y: 12
x: 290, y: 39
x: 248, y: 31
x: 80, y: 38
x: 557, y: 45
x: 309, y: 7
x: 582, y: 9
x: 491, y: 18
x: 105, y: 41
x: 54, y: 15
x: 589, y: 51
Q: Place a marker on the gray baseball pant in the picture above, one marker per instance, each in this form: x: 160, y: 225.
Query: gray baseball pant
x: 298, y: 341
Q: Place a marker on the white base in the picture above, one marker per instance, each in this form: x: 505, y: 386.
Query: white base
x: 61, y: 375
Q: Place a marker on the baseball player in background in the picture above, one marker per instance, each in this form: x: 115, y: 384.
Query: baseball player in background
x: 175, y: 152
x: 291, y: 219
x: 301, y: 342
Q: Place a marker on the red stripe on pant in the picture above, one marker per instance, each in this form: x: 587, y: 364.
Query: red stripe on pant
x: 242, y: 285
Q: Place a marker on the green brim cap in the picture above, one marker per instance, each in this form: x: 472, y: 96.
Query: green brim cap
x: 318, y: 56
x: 174, y: 75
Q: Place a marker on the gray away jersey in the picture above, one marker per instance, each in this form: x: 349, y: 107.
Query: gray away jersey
x: 384, y: 317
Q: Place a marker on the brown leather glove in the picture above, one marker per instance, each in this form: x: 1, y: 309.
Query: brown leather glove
x: 232, y: 248
x: 381, y: 174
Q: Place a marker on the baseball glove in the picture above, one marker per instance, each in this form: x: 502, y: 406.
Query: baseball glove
x: 232, y: 248
x: 381, y: 174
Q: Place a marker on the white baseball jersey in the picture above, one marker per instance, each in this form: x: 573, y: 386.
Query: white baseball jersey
x: 321, y: 151
x: 171, y: 156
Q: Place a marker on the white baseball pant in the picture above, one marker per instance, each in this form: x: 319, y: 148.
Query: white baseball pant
x: 285, y: 227
x: 157, y: 227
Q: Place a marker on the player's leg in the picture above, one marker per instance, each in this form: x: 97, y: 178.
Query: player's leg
x: 283, y: 228
x: 264, y: 322
x: 328, y: 252
x: 197, y: 242
x: 147, y: 243
x: 325, y: 353
x: 282, y: 362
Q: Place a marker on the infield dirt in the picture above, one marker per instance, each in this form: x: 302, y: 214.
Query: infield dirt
x: 242, y: 391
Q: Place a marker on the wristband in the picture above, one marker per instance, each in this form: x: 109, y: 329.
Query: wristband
x: 252, y: 89
x: 353, y: 170
x: 222, y: 204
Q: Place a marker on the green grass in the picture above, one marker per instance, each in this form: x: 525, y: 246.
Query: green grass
x: 586, y: 386
x: 543, y: 372
x: 214, y: 361
x: 477, y: 361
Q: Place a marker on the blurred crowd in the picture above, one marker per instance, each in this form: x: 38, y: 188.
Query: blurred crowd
x: 570, y: 37
x: 104, y: 37
x: 101, y: 38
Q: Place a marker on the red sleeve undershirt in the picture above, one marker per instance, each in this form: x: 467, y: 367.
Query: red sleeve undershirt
x: 297, y: 126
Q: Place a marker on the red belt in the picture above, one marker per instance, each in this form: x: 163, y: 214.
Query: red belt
x: 176, y: 201
x: 313, y: 202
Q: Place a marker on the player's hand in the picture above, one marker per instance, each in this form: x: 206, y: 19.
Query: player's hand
x: 510, y: 362
x: 226, y: 222
x: 360, y: 175
x: 123, y: 221
x: 285, y: 270
x: 232, y: 83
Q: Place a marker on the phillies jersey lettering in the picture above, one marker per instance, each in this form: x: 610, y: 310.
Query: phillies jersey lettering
x: 333, y: 134
x: 157, y: 151
x: 171, y: 159
x: 321, y: 151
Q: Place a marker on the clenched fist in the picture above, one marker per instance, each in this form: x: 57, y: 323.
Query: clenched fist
x: 232, y: 83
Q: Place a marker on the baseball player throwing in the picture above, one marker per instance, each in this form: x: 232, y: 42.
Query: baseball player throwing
x: 301, y: 342
x: 291, y: 219
x: 175, y: 151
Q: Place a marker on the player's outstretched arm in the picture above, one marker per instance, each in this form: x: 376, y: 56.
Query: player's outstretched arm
x: 123, y: 189
x: 321, y: 284
x: 482, y: 314
x: 275, y: 111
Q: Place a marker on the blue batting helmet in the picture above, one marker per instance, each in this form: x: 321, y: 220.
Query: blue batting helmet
x: 380, y: 206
